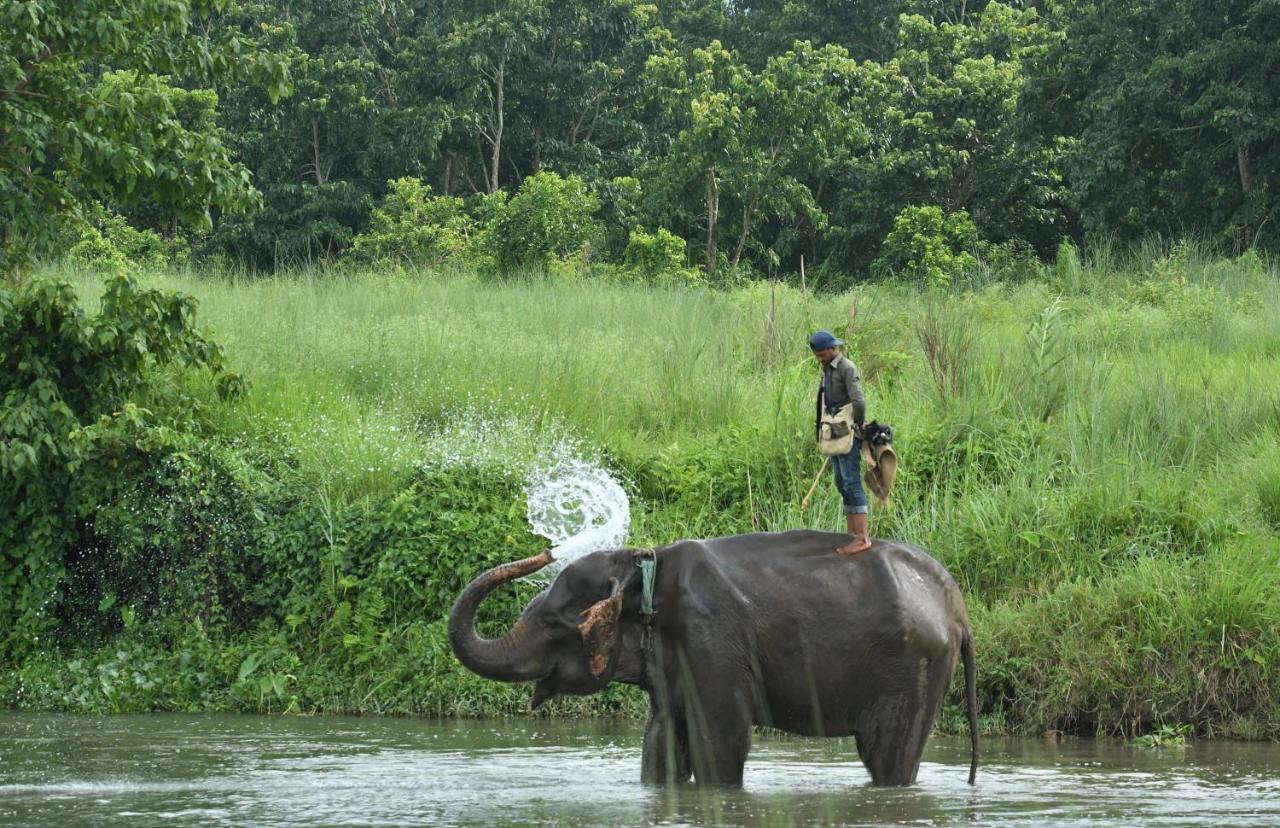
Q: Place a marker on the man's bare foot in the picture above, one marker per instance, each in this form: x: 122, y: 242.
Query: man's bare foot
x: 855, y: 546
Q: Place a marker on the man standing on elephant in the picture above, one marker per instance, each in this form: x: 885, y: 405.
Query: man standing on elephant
x: 840, y: 387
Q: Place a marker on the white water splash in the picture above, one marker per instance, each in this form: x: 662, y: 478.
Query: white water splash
x: 573, y: 500
x: 578, y: 506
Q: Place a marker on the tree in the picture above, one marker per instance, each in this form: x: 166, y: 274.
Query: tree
x: 465, y: 97
x: 490, y: 44
x: 357, y: 117
x: 946, y: 124
x: 748, y: 142
x: 867, y: 29
x: 98, y: 100
x: 1177, y: 107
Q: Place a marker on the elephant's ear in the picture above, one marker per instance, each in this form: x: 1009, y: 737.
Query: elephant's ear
x: 599, y: 628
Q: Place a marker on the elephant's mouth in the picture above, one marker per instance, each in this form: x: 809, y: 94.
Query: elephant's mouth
x: 543, y: 691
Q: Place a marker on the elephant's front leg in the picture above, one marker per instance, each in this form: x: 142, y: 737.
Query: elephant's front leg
x: 666, y: 751
x: 719, y: 738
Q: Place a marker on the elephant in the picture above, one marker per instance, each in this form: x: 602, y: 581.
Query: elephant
x: 766, y: 629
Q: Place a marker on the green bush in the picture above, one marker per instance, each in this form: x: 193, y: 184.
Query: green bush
x: 549, y: 218
x: 81, y: 395
x: 412, y: 227
x: 657, y: 257
x: 109, y: 244
x: 928, y: 246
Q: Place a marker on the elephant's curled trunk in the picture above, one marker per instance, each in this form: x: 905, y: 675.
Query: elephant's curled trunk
x: 509, y: 658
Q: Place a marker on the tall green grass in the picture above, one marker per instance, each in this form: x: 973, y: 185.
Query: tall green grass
x: 1091, y: 447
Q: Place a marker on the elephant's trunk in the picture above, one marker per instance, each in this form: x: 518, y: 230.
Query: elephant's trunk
x: 510, y: 658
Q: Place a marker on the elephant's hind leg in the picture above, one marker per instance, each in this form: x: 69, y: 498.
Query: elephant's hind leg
x: 892, y: 759
x: 892, y: 733
x: 665, y: 760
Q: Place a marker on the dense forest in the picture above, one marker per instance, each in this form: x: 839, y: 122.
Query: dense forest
x: 734, y: 138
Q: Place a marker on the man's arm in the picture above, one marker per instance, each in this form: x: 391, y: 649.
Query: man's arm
x: 854, y: 384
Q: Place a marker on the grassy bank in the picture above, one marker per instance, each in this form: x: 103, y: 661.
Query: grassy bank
x: 1093, y: 451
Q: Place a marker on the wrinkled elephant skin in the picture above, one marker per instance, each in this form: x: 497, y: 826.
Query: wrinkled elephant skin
x: 771, y: 629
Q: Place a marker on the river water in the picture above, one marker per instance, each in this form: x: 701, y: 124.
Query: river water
x: 252, y: 770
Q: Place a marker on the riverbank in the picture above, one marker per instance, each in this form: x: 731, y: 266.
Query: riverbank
x: 1093, y: 452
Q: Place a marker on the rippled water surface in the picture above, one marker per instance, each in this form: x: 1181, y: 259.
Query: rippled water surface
x: 174, y: 770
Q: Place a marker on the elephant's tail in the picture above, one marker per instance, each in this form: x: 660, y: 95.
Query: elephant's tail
x: 971, y: 698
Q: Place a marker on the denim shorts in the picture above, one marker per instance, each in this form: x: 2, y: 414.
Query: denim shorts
x: 849, y: 480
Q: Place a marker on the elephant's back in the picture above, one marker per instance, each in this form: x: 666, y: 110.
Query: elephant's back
x: 817, y: 621
x: 778, y: 563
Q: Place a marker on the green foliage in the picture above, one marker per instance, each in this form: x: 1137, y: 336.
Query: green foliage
x: 658, y: 258
x: 74, y: 389
x: 929, y: 247
x: 760, y: 134
x: 1168, y: 287
x: 1174, y: 113
x: 1046, y: 360
x: 299, y: 550
x: 111, y: 244
x: 412, y: 227
x: 743, y: 143
x: 1165, y: 736
x: 549, y: 218
x: 93, y: 104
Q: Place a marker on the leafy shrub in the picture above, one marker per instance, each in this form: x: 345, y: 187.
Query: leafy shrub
x: 657, y: 257
x: 1169, y: 288
x: 549, y: 218
x: 929, y: 246
x: 109, y: 243
x: 94, y: 252
x: 1011, y: 261
x: 413, y: 227
x: 73, y: 388
x: 1068, y: 272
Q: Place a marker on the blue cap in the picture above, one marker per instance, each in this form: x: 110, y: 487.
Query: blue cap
x: 823, y: 340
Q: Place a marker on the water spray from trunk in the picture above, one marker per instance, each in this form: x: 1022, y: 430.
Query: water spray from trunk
x: 578, y: 506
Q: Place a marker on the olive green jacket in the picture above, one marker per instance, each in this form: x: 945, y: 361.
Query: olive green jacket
x: 841, y: 386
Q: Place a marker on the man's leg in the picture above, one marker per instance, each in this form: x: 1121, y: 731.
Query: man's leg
x: 855, y: 500
x: 857, y: 526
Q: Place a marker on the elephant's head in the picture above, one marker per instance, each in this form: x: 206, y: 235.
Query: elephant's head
x: 575, y: 637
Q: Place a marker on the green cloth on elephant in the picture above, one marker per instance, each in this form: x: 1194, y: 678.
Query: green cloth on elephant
x: 648, y: 565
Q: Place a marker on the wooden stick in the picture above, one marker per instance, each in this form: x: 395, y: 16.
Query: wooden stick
x: 804, y: 504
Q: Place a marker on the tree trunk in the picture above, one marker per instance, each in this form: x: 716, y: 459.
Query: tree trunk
x: 1242, y: 162
x: 498, y: 120
x: 448, y: 174
x: 742, y: 237
x: 713, y: 213
x: 315, y: 152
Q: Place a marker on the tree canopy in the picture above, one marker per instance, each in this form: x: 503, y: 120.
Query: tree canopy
x: 757, y: 132
x: 108, y: 100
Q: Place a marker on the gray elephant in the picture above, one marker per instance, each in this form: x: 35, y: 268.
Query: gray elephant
x: 771, y: 629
